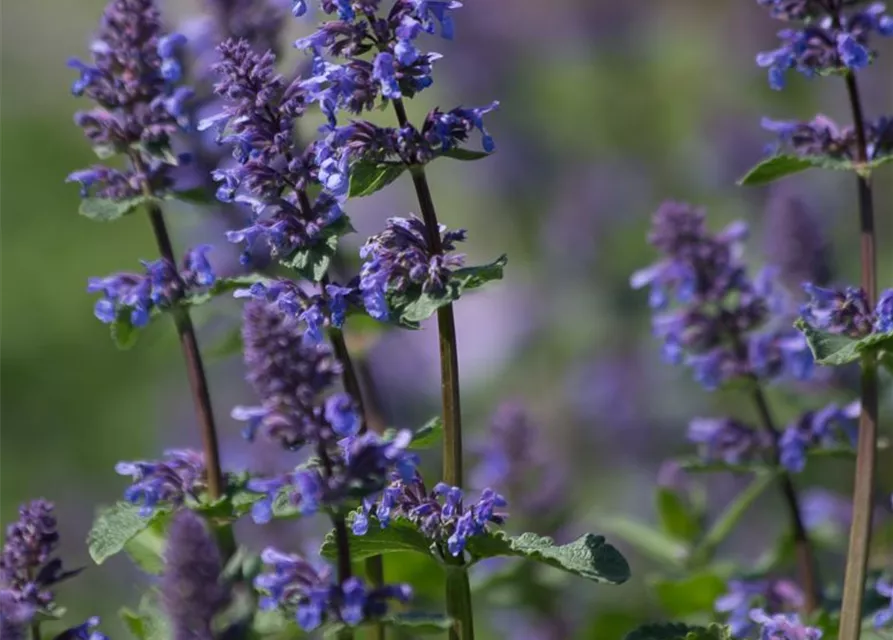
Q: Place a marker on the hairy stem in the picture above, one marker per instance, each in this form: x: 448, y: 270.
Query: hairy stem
x: 866, y: 454
x: 195, y: 369
x: 458, y: 589
x: 807, y: 565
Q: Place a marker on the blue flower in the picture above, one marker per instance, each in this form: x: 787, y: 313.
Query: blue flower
x: 384, y: 71
x: 783, y: 626
x: 884, y: 617
x: 883, y: 313
x: 169, y: 481
x: 298, y: 8
x: 85, y: 631
x: 853, y: 54
x: 342, y: 415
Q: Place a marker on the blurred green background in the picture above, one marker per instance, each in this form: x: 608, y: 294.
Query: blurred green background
x: 606, y: 109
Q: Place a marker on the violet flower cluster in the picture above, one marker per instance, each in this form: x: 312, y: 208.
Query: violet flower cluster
x: 29, y: 569
x: 179, y: 475
x: 718, y: 323
x: 317, y: 598
x: 773, y: 596
x: 401, y: 258
x: 733, y: 442
x: 133, y: 78
x: 440, y: 514
x: 137, y: 296
x: 830, y: 37
x: 847, y: 312
x: 822, y: 137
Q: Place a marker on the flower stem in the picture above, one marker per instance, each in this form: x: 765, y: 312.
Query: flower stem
x: 807, y: 566
x: 195, y: 370
x: 458, y: 590
x: 866, y: 454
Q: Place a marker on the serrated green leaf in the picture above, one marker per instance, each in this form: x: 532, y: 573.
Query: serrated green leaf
x: 679, y: 631
x: 400, y: 535
x: 690, y: 595
x: 107, y: 210
x: 782, y: 165
x: 313, y: 262
x: 368, y: 177
x: 589, y: 556
x: 410, y: 307
x: 146, y: 548
x: 464, y: 154
x: 647, y: 540
x: 836, y: 350
x: 676, y: 517
x: 114, y: 527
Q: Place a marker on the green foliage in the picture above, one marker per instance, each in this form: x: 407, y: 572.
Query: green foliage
x: 465, y: 154
x: 783, y: 165
x: 117, y: 525
x: 836, y: 350
x: 107, y: 210
x: 368, y: 177
x: 313, y: 262
x: 415, y: 624
x: 410, y: 307
x: 723, y: 526
x: 679, y: 631
x: 690, y: 595
x: 146, y: 548
x: 647, y: 540
x: 399, y: 535
x: 589, y: 556
x: 677, y: 518
x: 424, y: 437
x: 149, y: 621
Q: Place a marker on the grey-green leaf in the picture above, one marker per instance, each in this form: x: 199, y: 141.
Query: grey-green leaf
x: 146, y: 548
x: 411, y: 307
x: 368, y: 177
x: 836, y: 350
x: 676, y: 517
x: 106, y: 210
x: 782, y: 165
x: 589, y: 556
x: 424, y: 437
x: 690, y: 595
x: 114, y: 527
x: 647, y: 540
x: 313, y: 262
x: 400, y: 535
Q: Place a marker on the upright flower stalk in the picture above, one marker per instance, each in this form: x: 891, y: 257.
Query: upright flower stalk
x: 134, y: 79
x: 834, y: 37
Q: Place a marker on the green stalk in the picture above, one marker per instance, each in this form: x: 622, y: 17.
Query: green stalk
x: 458, y: 589
x: 866, y: 449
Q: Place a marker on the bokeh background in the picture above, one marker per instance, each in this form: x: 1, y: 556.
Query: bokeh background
x: 607, y: 108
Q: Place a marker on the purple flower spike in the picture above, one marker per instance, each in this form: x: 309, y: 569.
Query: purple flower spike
x: 132, y: 78
x: 169, y: 481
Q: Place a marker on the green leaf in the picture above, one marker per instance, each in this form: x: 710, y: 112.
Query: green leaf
x: 146, y: 548
x: 782, y: 165
x: 114, y: 527
x: 368, y: 177
x: 198, y: 195
x: 313, y: 262
x: 679, y: 631
x: 647, y: 540
x: 726, y: 522
x: 228, y: 345
x: 424, y: 437
x: 222, y: 286
x: 690, y: 595
x: 676, y: 517
x: 589, y: 556
x: 412, y: 306
x: 414, y: 624
x: 835, y: 350
x: 400, y: 535
x: 123, y: 333
x: 106, y: 210
x: 149, y: 622
x: 465, y: 154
